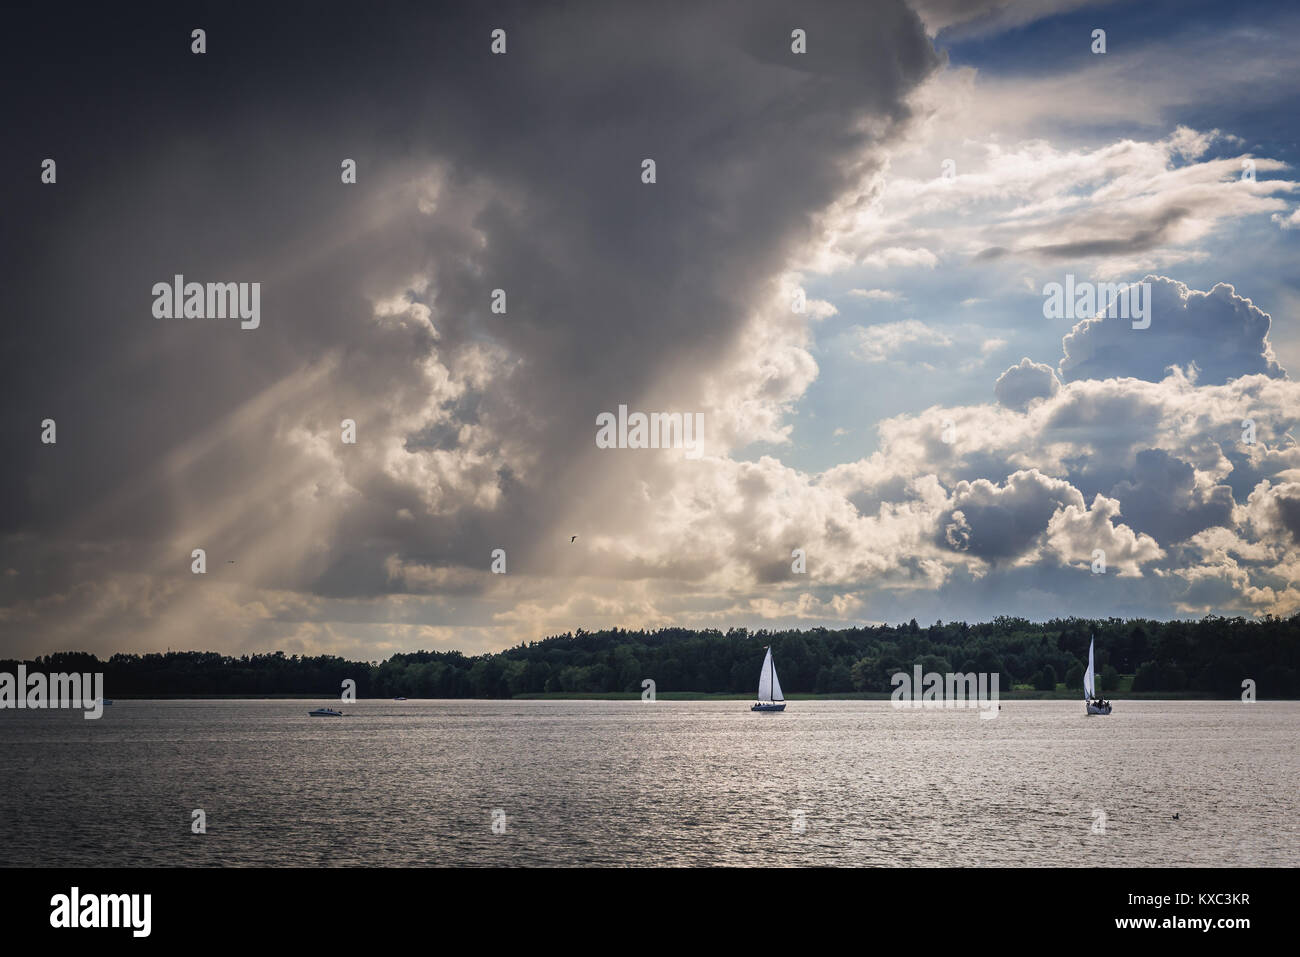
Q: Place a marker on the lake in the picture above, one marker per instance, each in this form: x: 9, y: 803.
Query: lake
x: 630, y: 783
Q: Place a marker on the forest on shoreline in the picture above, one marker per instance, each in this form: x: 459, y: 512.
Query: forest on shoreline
x: 1210, y: 657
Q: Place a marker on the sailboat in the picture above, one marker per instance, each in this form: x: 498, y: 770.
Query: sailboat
x: 1090, y: 697
x: 769, y: 687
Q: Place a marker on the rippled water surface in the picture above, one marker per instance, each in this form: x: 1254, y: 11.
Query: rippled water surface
x: 632, y: 783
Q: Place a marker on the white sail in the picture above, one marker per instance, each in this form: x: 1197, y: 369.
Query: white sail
x: 1088, y: 675
x: 769, y: 686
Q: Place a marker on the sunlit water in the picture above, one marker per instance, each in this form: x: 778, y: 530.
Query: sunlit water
x: 665, y: 783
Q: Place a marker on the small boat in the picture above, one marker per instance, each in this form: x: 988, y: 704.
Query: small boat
x: 399, y: 699
x: 325, y: 713
x: 769, y: 687
x: 1092, y: 700
x: 108, y: 701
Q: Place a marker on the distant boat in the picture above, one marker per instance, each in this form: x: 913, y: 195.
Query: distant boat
x: 325, y: 713
x: 1094, y: 702
x: 769, y: 687
x: 108, y: 701
x: 399, y: 699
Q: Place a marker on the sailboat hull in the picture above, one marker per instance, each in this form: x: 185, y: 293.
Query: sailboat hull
x: 769, y: 706
x: 1093, y: 709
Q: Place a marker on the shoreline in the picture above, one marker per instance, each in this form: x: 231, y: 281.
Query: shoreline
x: 692, y: 696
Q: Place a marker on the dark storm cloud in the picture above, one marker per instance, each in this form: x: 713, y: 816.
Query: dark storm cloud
x: 225, y: 167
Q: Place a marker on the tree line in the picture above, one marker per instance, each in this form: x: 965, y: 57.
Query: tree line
x: 1211, y: 656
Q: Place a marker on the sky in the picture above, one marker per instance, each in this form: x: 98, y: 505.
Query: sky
x: 841, y: 269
